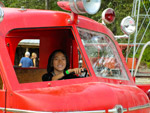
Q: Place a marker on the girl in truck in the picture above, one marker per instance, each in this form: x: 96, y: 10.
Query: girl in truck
x: 58, y: 67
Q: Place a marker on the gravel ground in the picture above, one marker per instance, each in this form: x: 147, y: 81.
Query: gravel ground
x: 143, y: 76
x: 142, y: 80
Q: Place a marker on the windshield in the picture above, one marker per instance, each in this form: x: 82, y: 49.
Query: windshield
x: 102, y: 54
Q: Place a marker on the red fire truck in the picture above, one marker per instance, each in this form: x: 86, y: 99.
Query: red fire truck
x: 88, y: 44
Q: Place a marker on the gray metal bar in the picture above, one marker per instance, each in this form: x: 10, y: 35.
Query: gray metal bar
x: 139, y: 107
x: 139, y: 60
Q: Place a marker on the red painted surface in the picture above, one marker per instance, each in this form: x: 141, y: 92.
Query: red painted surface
x: 82, y: 94
x: 129, y: 63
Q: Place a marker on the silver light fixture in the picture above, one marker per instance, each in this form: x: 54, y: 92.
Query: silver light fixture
x: 128, y: 25
x: 80, y: 6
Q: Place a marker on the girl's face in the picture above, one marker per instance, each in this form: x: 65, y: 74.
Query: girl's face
x: 59, y: 62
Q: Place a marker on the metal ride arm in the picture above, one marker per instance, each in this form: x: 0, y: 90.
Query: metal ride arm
x: 139, y: 60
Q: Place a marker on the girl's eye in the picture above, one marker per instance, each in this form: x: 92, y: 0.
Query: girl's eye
x: 64, y: 59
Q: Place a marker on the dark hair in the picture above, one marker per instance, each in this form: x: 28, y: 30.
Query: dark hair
x: 50, y: 67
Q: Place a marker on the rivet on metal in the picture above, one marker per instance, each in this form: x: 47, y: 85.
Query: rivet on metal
x: 49, y: 84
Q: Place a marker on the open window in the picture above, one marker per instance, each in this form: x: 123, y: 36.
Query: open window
x: 42, y: 41
x: 30, y: 45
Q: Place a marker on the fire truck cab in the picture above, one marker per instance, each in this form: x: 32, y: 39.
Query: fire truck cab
x: 106, y: 87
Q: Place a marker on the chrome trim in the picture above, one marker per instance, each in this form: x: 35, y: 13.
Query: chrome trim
x: 29, y: 111
x: 140, y: 107
x: 2, y: 109
x: 116, y: 108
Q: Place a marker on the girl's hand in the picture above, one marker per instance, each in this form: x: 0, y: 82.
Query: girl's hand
x: 76, y: 70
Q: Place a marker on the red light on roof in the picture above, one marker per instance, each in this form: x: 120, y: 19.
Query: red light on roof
x: 64, y: 5
x: 108, y: 15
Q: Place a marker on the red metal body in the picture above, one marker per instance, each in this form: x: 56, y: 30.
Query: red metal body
x: 90, y: 94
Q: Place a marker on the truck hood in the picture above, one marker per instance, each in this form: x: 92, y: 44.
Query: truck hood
x: 78, y: 97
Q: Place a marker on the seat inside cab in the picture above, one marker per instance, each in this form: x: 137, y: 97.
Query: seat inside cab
x: 42, y: 41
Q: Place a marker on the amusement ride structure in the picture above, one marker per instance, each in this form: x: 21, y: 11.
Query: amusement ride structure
x: 141, y: 14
